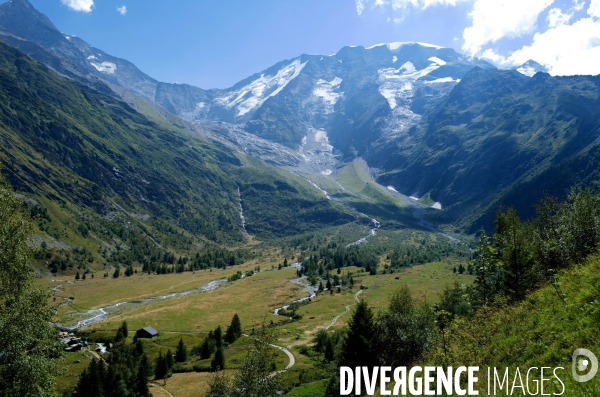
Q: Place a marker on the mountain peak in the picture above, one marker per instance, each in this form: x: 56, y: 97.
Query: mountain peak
x: 20, y: 16
x: 530, y: 68
x: 396, y: 45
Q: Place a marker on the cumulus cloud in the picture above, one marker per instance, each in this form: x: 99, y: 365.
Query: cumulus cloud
x: 560, y: 38
x: 557, y: 17
x: 565, y: 49
x: 493, y: 20
x: 79, y: 5
x: 594, y: 9
x: 122, y: 10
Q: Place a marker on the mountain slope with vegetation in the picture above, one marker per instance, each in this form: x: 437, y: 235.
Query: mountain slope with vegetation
x: 501, y: 138
x: 107, y: 178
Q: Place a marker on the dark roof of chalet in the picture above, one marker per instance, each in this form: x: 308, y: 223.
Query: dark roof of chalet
x: 150, y: 331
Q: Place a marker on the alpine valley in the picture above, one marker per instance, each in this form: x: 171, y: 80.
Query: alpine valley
x: 388, y: 156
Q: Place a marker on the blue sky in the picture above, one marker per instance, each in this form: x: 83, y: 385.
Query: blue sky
x: 214, y: 44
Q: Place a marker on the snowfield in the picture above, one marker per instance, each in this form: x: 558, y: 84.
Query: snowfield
x: 105, y: 67
x: 257, y: 92
x: 325, y: 90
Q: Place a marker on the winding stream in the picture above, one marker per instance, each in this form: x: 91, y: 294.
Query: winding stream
x: 372, y: 233
x: 96, y: 315
x: 311, y: 290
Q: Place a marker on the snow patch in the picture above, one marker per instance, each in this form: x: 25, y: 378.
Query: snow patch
x: 325, y: 91
x: 91, y: 57
x: 326, y: 172
x: 413, y: 198
x: 257, y: 92
x: 437, y: 206
x: 105, y: 67
x: 527, y: 71
x: 443, y: 80
x: 322, y: 138
x: 394, y: 46
x: 392, y: 189
x: 437, y: 60
x: 397, y: 84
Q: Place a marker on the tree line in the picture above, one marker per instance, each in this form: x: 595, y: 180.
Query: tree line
x: 519, y: 258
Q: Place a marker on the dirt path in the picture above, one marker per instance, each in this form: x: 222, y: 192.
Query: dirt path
x: 152, y: 384
x: 334, y: 321
x: 286, y: 351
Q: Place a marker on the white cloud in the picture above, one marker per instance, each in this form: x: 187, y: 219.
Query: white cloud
x: 359, y: 7
x: 401, y: 7
x: 578, y: 5
x: 557, y: 17
x: 79, y: 5
x: 565, y: 49
x: 493, y: 20
x: 594, y: 9
x: 122, y: 10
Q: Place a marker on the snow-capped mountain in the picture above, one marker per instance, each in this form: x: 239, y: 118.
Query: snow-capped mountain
x: 530, y: 68
x: 345, y: 102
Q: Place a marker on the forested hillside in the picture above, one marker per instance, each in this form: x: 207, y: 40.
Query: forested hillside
x: 107, y: 180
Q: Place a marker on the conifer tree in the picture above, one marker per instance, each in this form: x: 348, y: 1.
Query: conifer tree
x: 236, y: 324
x: 181, y: 352
x: 485, y: 265
x: 169, y: 360
x: 218, y: 336
x: 358, y: 347
x: 516, y: 253
x: 161, y: 369
x: 141, y: 383
x: 218, y: 361
x: 207, y: 348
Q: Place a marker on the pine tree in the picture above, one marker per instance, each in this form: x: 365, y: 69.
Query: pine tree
x: 77, y: 277
x: 358, y: 347
x: 141, y: 383
x: 485, y: 265
x: 229, y: 335
x: 181, y: 352
x: 516, y: 253
x: 122, y: 332
x: 236, y: 324
x: 161, y: 369
x: 218, y: 361
x: 207, y: 348
x: 169, y: 360
x: 218, y: 336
